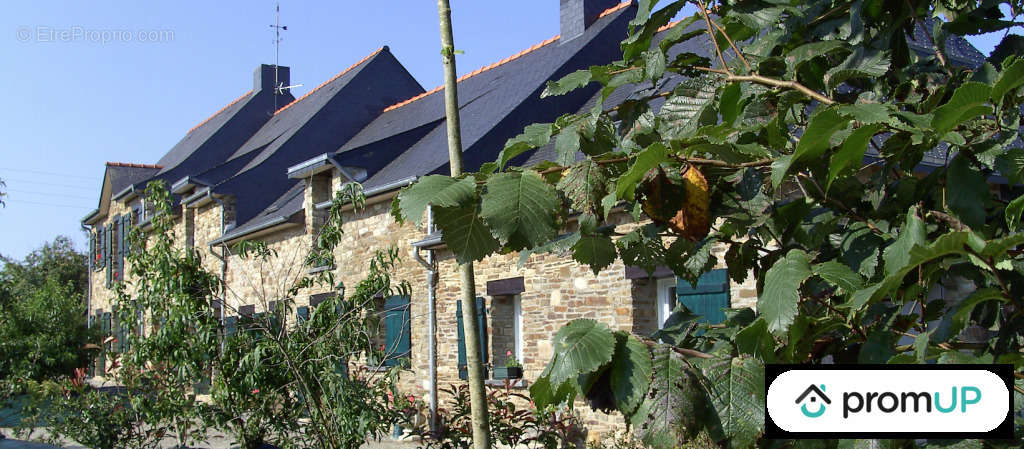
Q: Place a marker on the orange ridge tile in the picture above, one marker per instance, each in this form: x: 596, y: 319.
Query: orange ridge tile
x: 130, y: 165
x: 615, y: 8
x: 670, y: 25
x: 219, y: 111
x: 339, y: 75
x: 474, y: 73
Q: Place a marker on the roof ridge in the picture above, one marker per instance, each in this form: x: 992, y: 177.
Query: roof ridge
x: 219, y: 111
x: 474, y: 73
x: 339, y: 75
x: 131, y: 165
x: 615, y: 8
x: 669, y: 25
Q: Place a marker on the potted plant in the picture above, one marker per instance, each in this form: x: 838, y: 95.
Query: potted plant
x: 512, y: 369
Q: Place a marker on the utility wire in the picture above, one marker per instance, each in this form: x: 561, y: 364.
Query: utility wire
x: 48, y: 183
x: 62, y: 195
x: 38, y: 172
x: 46, y: 204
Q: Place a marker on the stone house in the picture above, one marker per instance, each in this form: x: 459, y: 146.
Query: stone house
x: 266, y: 166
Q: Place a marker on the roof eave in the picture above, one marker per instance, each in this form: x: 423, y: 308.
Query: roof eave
x: 277, y: 223
x: 127, y: 194
x: 323, y: 163
x: 186, y: 183
x: 91, y: 217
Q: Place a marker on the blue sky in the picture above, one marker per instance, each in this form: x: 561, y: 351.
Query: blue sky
x: 75, y: 102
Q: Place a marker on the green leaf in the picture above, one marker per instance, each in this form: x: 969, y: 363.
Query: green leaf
x: 878, y: 348
x: 736, y: 389
x: 815, y: 140
x: 533, y: 136
x: 964, y: 309
x: 868, y: 113
x: 585, y: 184
x: 654, y: 60
x: 862, y: 63
x: 912, y: 233
x: 567, y: 144
x: 688, y: 108
x: 756, y: 341
x: 630, y: 372
x: 568, y: 83
x: 520, y: 209
x: 672, y: 406
x: 642, y: 248
x: 966, y: 193
x: 851, y: 153
x: 730, y: 105
x: 860, y: 249
x: 806, y: 52
x: 465, y: 232
x: 596, y: 251
x: 947, y: 244
x: 968, y: 101
x: 1011, y: 78
x: 582, y: 346
x: 441, y: 191
x: 840, y: 275
x: 645, y: 160
x: 778, y: 301
x: 1011, y: 165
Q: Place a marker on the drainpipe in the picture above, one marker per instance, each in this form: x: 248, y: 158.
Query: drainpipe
x: 431, y: 267
x: 223, y: 258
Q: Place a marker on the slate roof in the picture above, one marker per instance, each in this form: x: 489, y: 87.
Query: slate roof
x: 285, y: 209
x: 318, y: 123
x: 495, y: 104
x: 958, y: 50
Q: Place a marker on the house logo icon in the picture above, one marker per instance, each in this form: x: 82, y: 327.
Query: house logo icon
x: 813, y: 394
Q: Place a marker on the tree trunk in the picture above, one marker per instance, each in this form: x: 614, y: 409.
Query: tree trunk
x: 477, y: 395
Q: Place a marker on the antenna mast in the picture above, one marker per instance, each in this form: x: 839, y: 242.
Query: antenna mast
x: 278, y: 88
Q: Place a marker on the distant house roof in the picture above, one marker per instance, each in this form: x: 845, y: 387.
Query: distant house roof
x: 116, y: 177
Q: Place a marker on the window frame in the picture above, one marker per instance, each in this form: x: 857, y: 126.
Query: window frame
x: 665, y: 297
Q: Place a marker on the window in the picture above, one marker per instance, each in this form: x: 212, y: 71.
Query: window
x: 481, y: 321
x: 666, y: 299
x: 506, y: 328
x: 707, y: 299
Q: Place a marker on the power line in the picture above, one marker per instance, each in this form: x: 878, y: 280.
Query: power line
x: 91, y: 178
x: 46, y: 204
x: 48, y: 183
x: 62, y: 195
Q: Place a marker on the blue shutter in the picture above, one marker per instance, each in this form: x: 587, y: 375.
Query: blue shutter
x: 302, y: 314
x: 105, y: 323
x: 481, y: 315
x: 119, y: 269
x: 708, y: 298
x: 398, y: 327
x: 230, y: 325
x: 92, y: 251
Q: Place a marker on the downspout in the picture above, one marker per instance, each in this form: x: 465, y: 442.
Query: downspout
x: 431, y: 267
x: 223, y: 259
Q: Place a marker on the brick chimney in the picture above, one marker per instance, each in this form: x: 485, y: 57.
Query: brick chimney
x: 578, y: 15
x: 263, y: 78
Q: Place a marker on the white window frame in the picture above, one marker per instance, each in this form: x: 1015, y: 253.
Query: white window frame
x: 665, y: 288
x: 517, y: 326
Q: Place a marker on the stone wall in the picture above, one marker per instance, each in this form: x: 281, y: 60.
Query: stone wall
x: 556, y: 288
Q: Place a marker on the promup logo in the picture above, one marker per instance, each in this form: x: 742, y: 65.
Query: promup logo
x: 813, y: 394
x: 889, y: 401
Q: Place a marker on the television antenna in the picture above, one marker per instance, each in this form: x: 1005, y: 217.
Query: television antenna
x: 279, y: 87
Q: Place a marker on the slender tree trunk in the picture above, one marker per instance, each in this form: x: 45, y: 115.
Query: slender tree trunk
x: 477, y: 395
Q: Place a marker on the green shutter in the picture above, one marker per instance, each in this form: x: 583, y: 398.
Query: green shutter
x: 230, y: 325
x: 398, y: 327
x: 481, y: 315
x: 92, y: 251
x: 302, y: 314
x: 105, y: 327
x: 126, y: 223
x: 106, y: 252
x: 708, y: 298
x: 92, y: 322
x: 119, y: 242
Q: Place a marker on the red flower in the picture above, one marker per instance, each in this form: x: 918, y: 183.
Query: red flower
x: 411, y: 398
x: 255, y: 391
x: 508, y: 353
